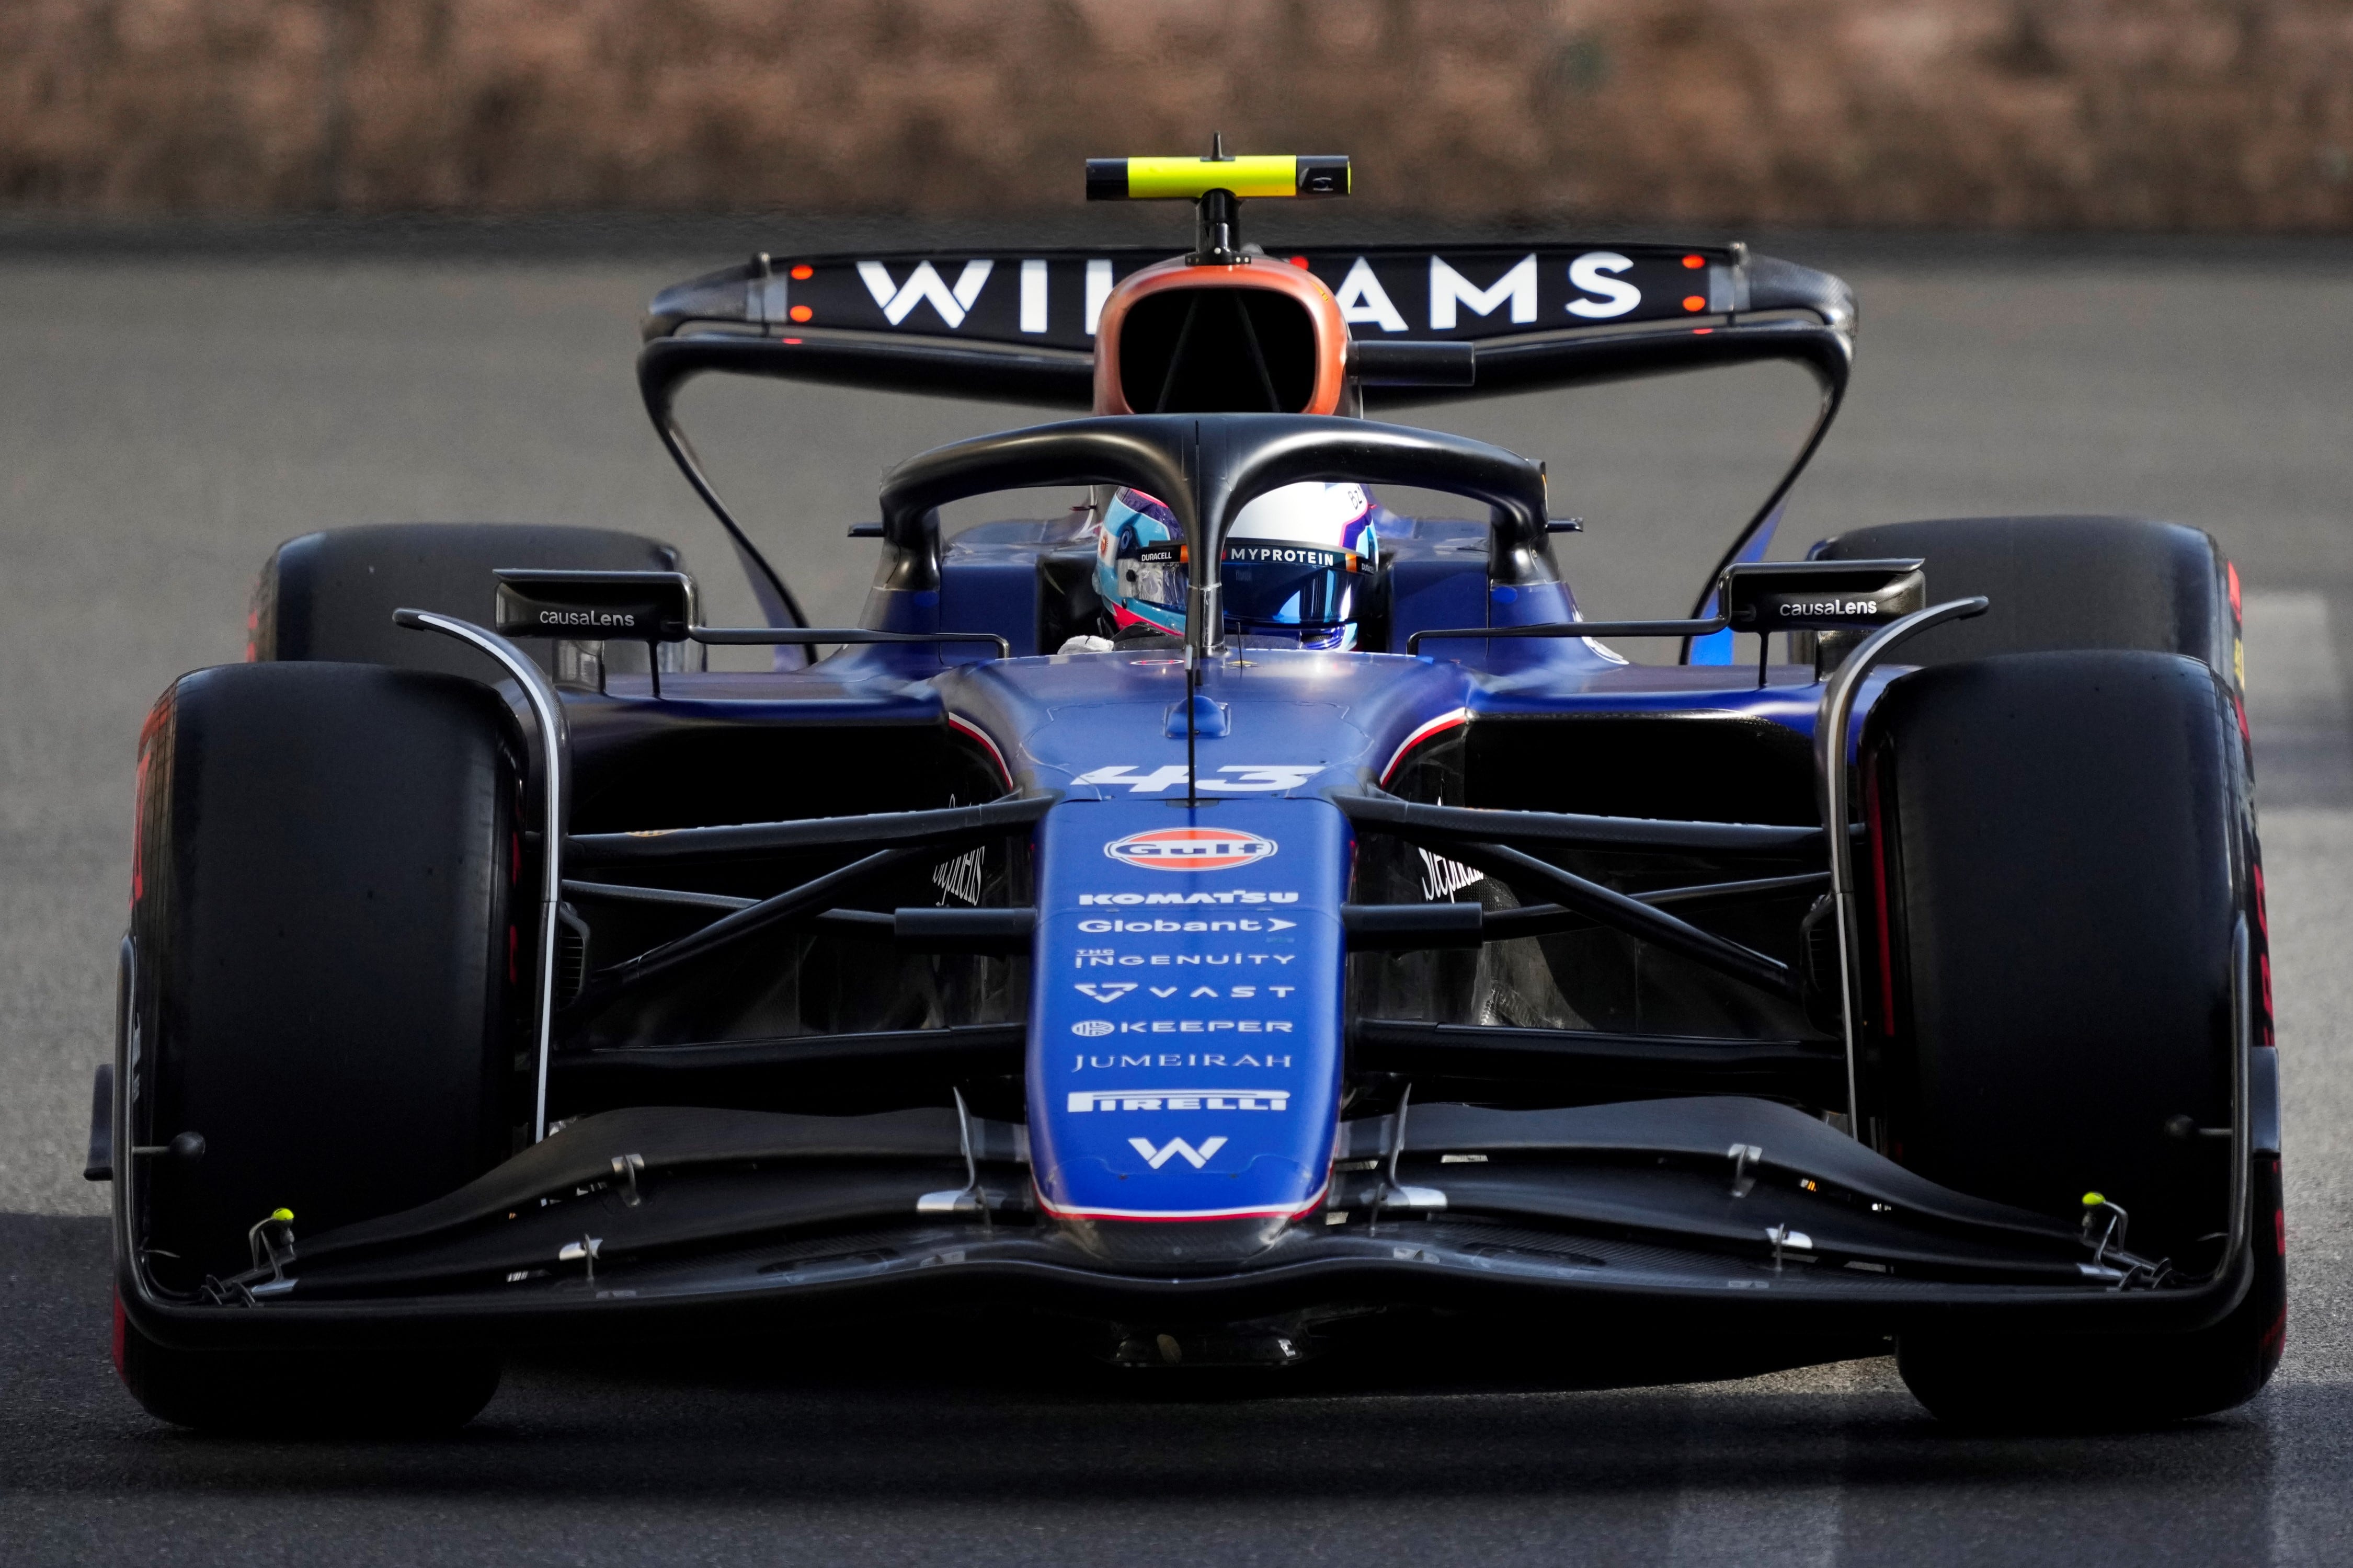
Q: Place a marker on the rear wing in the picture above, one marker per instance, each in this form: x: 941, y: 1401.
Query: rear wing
x: 1427, y: 324
x: 1019, y: 327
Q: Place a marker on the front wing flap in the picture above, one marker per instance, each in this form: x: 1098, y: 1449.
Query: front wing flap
x: 674, y: 1208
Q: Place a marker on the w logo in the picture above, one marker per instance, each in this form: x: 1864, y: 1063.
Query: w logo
x: 898, y: 300
x: 1156, y: 1158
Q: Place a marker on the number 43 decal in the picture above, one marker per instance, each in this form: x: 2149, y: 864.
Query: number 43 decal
x: 1231, y: 779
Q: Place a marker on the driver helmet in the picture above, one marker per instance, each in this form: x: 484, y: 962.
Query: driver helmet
x: 1298, y: 563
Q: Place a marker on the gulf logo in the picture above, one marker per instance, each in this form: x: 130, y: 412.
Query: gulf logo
x: 1190, y: 850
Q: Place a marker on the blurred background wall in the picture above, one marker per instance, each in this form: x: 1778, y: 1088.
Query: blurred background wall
x: 2210, y: 115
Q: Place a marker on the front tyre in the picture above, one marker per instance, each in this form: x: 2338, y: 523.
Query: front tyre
x: 2076, y: 1382
x: 304, y: 1392
x: 326, y: 970
x: 2060, y: 853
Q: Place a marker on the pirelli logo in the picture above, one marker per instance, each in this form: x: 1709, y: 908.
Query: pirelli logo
x: 1091, y: 1099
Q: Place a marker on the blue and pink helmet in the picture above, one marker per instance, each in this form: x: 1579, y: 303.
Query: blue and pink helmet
x: 1299, y: 563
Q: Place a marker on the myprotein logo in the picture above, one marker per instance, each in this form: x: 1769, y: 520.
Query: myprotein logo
x: 1287, y: 555
x: 1190, y: 850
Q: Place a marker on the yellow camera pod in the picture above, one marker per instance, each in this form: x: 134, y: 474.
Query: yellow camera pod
x: 1190, y: 179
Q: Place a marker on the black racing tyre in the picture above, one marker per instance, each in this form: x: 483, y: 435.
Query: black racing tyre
x: 325, y: 960
x: 305, y: 1392
x: 2060, y: 850
x: 2052, y: 1382
x: 2059, y: 582
x: 331, y: 595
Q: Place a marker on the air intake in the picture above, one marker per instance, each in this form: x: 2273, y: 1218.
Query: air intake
x: 1217, y: 351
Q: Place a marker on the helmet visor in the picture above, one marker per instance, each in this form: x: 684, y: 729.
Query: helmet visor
x: 1270, y: 583
x: 1153, y: 574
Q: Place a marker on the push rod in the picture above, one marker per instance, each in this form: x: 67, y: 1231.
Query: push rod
x: 1609, y: 906
x: 811, y: 897
x: 943, y: 825
x: 1576, y: 630
x: 1413, y: 820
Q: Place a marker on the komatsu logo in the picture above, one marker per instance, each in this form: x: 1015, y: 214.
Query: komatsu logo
x: 1222, y: 896
x: 1190, y: 850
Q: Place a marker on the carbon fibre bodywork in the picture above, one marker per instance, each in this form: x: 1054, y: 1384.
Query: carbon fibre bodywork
x: 1474, y: 967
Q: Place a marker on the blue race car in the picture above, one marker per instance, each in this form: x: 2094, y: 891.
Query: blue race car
x: 1224, y: 920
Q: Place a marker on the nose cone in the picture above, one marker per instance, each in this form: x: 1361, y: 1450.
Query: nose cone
x: 1176, y: 1245
x: 1184, y: 1063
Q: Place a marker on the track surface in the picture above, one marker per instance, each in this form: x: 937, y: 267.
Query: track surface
x: 162, y: 424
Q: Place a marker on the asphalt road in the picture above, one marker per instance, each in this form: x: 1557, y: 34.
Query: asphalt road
x: 164, y: 422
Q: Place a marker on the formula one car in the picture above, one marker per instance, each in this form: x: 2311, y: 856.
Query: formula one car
x: 1219, y: 916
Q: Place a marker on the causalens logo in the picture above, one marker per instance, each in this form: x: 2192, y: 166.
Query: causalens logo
x: 1190, y: 850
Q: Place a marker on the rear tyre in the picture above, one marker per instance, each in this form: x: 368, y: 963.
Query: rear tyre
x: 331, y: 595
x: 2059, y: 582
x: 2061, y: 847
x: 325, y: 962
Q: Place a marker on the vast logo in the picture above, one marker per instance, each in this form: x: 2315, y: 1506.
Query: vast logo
x: 1156, y: 1158
x: 1190, y: 848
